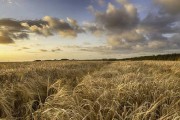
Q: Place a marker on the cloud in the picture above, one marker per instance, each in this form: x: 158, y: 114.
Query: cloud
x: 22, y: 35
x: 52, y: 50
x: 43, y: 50
x: 155, y: 26
x: 41, y: 30
x: 101, y: 2
x: 87, y: 43
x: 175, y: 41
x: 93, y: 28
x: 157, y: 45
x: 5, y: 40
x: 152, y: 42
x: 13, y: 30
x: 72, y: 46
x: 56, y: 50
x: 103, y: 49
x: 11, y: 24
x: 169, y: 6
x: 126, y: 33
x: 57, y: 24
x: 118, y: 43
x: 125, y: 39
x: 69, y: 28
x: 117, y: 20
x: 68, y: 33
x: 120, y: 25
x: 97, y: 49
x: 25, y: 48
x: 72, y: 22
x: 132, y: 36
x: 161, y: 23
x: 65, y: 29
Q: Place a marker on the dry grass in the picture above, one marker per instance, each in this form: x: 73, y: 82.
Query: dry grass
x: 147, y: 90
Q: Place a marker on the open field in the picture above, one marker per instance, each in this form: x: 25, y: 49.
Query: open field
x: 90, y: 90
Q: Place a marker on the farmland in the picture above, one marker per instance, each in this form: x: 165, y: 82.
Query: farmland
x: 90, y: 90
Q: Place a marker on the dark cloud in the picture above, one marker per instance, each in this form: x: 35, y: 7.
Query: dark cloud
x: 175, y: 41
x: 72, y: 46
x: 25, y: 48
x: 94, y: 28
x: 56, y: 50
x: 161, y: 23
x: 87, y: 43
x: 43, y: 50
x: 117, y: 20
x: 114, y: 19
x: 52, y: 50
x: 97, y: 49
x: 19, y: 35
x: 155, y: 27
x: 10, y: 23
x: 5, y: 40
x: 22, y: 36
x: 99, y: 2
x: 57, y: 24
x: 49, y: 26
x: 120, y: 25
x: 38, y: 29
x: 151, y: 43
x: 126, y: 33
x: 11, y: 30
x: 169, y: 6
x: 94, y: 49
x: 37, y: 23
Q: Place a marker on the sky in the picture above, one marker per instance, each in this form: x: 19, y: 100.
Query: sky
x: 87, y: 29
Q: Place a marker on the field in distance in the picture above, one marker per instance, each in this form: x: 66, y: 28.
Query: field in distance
x: 90, y: 90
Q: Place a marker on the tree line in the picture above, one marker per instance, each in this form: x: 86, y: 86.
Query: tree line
x: 170, y: 57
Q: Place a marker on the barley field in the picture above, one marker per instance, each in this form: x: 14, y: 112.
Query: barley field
x: 90, y: 90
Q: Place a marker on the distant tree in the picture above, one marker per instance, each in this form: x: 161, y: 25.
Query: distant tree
x: 37, y: 60
x: 64, y: 59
